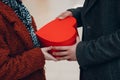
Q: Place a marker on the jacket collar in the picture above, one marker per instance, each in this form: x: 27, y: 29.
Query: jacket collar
x: 18, y: 26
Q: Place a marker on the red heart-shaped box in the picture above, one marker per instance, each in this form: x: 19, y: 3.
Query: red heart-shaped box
x: 58, y: 32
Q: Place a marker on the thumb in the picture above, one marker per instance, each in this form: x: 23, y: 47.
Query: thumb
x: 64, y: 15
x: 48, y: 48
x: 77, y: 39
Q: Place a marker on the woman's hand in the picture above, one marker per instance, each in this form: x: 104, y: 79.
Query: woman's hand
x: 64, y: 14
x: 66, y: 52
x: 47, y: 55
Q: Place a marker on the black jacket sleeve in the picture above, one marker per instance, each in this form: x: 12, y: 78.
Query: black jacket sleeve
x: 99, y: 51
x: 77, y: 14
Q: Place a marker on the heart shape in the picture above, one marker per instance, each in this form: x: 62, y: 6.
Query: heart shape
x: 58, y: 32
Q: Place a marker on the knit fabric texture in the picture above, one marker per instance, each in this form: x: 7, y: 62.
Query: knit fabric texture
x: 24, y: 16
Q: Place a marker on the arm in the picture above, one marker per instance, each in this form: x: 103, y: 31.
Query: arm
x: 20, y: 65
x: 76, y: 12
x: 72, y: 12
x: 44, y: 49
x: 92, y: 53
x: 17, y: 66
x: 101, y: 50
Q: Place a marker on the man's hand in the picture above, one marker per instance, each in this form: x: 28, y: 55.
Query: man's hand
x: 66, y: 52
x: 64, y: 15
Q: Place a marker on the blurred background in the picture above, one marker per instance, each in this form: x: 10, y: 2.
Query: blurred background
x: 43, y: 12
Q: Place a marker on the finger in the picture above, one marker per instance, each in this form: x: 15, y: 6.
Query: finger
x: 59, y: 53
x: 63, y: 58
x: 64, y: 15
x: 77, y: 39
x: 71, y: 60
x: 50, y: 57
x: 47, y: 48
x: 62, y: 48
x: 61, y: 16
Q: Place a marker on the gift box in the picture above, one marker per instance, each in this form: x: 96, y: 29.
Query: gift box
x: 58, y: 32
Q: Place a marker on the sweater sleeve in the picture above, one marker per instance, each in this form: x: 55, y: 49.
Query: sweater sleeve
x: 102, y: 50
x: 18, y: 66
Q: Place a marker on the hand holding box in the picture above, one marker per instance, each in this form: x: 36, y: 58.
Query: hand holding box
x: 58, y: 32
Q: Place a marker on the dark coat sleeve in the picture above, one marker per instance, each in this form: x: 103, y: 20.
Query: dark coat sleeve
x: 99, y: 51
x: 77, y: 14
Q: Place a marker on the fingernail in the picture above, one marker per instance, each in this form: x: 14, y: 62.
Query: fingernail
x: 60, y: 17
